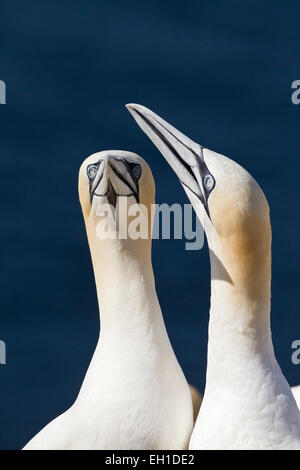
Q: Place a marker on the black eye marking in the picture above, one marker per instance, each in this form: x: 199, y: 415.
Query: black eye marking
x: 92, y: 171
x: 135, y: 170
x: 95, y: 177
x: 209, y: 182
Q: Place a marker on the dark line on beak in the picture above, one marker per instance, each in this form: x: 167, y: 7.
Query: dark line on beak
x: 121, y: 177
x: 204, y: 202
x: 200, y: 159
x: 111, y: 194
x: 168, y: 144
x: 197, y: 195
x: 176, y: 138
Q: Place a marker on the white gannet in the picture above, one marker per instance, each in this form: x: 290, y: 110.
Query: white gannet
x: 247, y: 402
x: 134, y: 395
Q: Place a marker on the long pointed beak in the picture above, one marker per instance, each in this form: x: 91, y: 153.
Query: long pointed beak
x: 183, y: 155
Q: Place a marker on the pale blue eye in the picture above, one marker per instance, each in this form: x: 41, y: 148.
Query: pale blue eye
x: 209, y: 182
x: 92, y: 171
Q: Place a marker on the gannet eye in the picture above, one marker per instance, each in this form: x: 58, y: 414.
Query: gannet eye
x: 92, y: 171
x: 137, y: 171
x: 209, y: 182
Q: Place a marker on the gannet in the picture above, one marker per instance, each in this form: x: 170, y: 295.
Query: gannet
x: 134, y: 395
x: 247, y: 402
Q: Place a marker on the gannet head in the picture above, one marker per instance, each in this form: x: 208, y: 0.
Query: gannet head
x: 229, y: 203
x: 106, y: 178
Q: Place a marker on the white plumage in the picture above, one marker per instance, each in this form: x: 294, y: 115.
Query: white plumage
x: 247, y: 403
x: 134, y: 395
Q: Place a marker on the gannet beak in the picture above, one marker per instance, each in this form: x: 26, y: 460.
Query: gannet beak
x: 112, y: 177
x: 183, y: 155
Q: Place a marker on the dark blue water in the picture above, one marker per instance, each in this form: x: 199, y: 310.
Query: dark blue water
x: 221, y: 72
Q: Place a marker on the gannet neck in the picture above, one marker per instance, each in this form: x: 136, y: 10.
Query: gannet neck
x: 241, y: 321
x: 125, y: 285
x: 240, y: 299
x: 122, y: 263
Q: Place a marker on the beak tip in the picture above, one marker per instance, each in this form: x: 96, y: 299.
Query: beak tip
x: 138, y: 108
x: 130, y: 106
